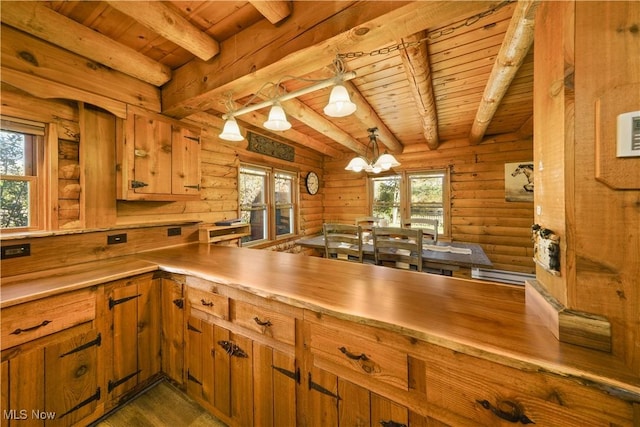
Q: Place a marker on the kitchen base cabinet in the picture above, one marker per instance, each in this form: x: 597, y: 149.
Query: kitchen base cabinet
x: 52, y: 381
x: 173, y: 327
x: 133, y: 324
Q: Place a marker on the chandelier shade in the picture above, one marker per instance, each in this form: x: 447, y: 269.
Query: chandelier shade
x: 340, y: 104
x: 277, y: 120
x: 231, y: 131
x: 378, y: 164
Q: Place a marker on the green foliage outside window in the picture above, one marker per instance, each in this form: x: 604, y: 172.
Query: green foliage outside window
x: 14, y: 193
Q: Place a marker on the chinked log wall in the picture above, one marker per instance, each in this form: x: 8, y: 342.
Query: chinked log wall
x: 479, y: 212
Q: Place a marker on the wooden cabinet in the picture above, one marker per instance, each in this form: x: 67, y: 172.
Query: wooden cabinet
x: 50, y: 361
x: 224, y: 234
x: 241, y: 357
x: 173, y: 327
x: 133, y: 325
x: 158, y: 159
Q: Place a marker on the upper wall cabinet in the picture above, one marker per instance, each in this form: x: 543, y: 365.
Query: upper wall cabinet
x: 158, y: 158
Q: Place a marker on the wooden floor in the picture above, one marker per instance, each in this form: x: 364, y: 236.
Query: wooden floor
x: 162, y: 405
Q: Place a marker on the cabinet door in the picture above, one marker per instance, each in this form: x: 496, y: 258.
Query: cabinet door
x: 185, y: 153
x: 122, y: 300
x: 274, y: 387
x: 173, y: 326
x: 71, y: 379
x: 152, y: 156
x: 26, y: 388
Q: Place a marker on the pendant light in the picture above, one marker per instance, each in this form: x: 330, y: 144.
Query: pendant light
x: 340, y: 104
x: 231, y: 130
x: 277, y: 119
x: 378, y: 164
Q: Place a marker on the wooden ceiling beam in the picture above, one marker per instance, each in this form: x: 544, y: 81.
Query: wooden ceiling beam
x: 168, y: 23
x: 416, y: 66
x: 302, y: 44
x: 274, y: 11
x: 367, y: 115
x: 516, y: 44
x: 44, y: 23
x: 301, y: 112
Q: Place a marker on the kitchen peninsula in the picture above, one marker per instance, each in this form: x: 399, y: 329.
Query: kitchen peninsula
x: 426, y: 345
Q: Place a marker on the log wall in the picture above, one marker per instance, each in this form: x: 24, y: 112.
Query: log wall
x: 479, y: 212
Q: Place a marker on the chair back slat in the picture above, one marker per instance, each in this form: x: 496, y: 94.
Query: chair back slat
x: 429, y: 228
x: 402, y: 246
x: 343, y: 241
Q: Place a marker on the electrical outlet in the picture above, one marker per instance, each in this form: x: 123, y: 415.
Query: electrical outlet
x: 16, y: 251
x: 117, y: 238
x: 174, y: 231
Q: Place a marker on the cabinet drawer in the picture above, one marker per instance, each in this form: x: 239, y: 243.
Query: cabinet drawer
x: 359, y: 355
x: 25, y: 322
x: 215, y: 304
x: 265, y: 321
x: 496, y: 395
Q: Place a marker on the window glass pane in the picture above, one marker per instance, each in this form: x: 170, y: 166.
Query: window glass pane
x: 427, y: 192
x: 386, y: 199
x: 13, y: 154
x: 14, y: 203
x: 284, y: 207
x: 253, y: 190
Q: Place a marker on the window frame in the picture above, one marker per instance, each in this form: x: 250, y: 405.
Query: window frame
x: 35, y: 170
x: 270, y: 203
x: 405, y: 195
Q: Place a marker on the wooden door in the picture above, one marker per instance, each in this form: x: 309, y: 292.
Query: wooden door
x: 149, y: 322
x: 173, y: 326
x: 71, y: 387
x: 4, y: 392
x: 152, y: 156
x: 322, y: 398
x: 26, y: 387
x: 122, y: 300
x: 185, y: 159
x: 274, y: 387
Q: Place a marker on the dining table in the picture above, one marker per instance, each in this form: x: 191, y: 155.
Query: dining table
x: 442, y: 257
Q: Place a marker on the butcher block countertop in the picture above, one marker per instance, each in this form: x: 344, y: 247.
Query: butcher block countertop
x: 486, y: 320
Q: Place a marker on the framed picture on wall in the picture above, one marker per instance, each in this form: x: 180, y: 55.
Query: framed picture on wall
x: 518, y: 182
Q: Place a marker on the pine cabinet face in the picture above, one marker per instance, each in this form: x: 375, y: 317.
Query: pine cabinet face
x: 56, y: 384
x: 159, y: 159
x: 134, y: 321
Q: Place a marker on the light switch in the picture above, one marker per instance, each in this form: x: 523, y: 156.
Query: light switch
x: 628, y: 134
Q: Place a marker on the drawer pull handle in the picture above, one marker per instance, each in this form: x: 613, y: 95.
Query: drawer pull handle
x: 391, y: 423
x: 206, y: 303
x: 266, y: 323
x: 33, y: 328
x: 514, y: 414
x: 352, y: 356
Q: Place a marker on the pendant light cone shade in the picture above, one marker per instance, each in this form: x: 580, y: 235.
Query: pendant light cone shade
x: 357, y: 164
x: 277, y: 119
x: 231, y: 131
x: 340, y: 104
x: 386, y: 162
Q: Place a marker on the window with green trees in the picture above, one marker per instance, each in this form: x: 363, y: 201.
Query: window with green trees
x: 19, y: 181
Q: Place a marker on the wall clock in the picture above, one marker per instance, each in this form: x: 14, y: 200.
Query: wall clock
x: 313, y: 183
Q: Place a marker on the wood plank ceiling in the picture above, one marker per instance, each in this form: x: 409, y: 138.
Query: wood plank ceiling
x: 427, y: 73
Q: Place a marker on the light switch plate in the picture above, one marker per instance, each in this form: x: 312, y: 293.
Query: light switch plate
x: 628, y: 134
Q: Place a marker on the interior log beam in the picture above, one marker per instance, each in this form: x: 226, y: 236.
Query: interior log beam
x: 274, y: 10
x: 416, y: 66
x: 514, y: 48
x: 171, y: 25
x: 301, y: 112
x: 42, y: 22
x: 243, y: 68
x: 366, y: 114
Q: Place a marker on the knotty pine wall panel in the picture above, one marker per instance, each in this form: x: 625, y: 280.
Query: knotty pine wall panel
x: 479, y: 211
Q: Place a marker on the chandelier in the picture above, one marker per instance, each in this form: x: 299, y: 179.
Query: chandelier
x: 378, y: 163
x: 339, y: 105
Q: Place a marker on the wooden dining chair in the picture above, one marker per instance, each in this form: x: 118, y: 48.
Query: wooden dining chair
x: 343, y: 241
x: 367, y: 222
x: 402, y: 246
x: 429, y: 228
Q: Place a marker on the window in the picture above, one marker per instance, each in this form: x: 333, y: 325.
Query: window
x: 412, y: 195
x: 20, y: 155
x: 268, y: 202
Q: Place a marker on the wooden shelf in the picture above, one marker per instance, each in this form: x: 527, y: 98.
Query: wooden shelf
x: 224, y: 233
